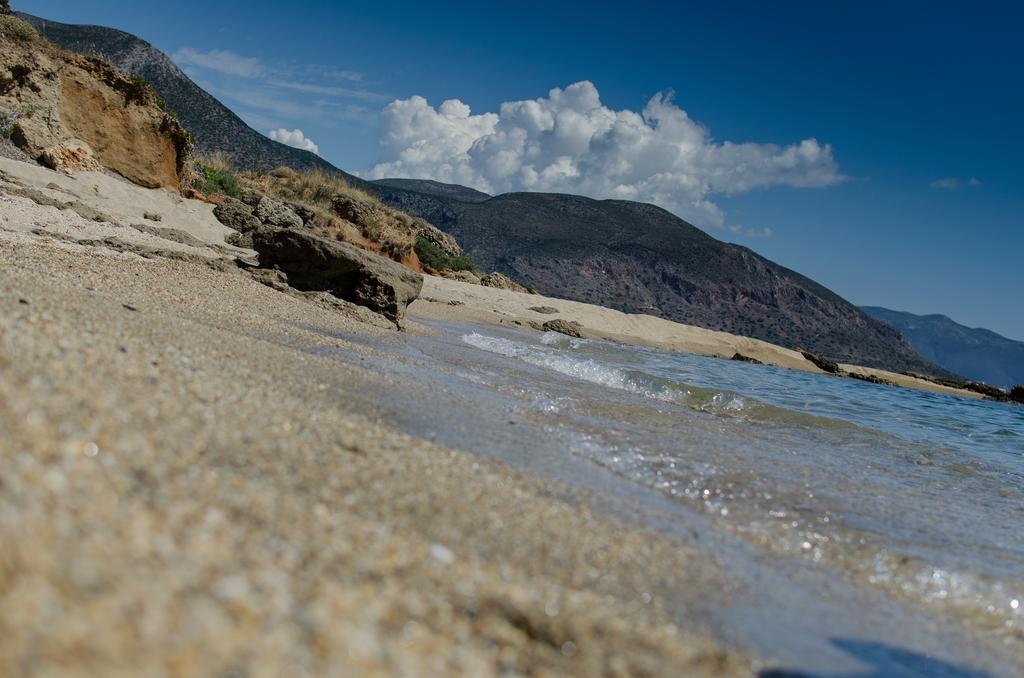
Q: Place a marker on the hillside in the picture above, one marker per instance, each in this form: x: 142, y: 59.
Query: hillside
x: 641, y: 258
x: 973, y: 352
x: 629, y: 256
x: 214, y: 126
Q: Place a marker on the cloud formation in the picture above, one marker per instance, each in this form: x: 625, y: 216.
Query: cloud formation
x: 294, y: 138
x: 220, y: 60
x: 281, y: 94
x: 953, y: 183
x: 570, y: 142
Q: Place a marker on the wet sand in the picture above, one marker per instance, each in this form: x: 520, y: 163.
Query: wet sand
x: 184, y: 492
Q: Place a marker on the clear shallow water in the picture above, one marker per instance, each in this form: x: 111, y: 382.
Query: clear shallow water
x: 919, y: 494
x: 858, y: 529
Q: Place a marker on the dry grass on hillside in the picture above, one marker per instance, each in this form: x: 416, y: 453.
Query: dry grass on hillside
x: 13, y: 28
x: 342, y: 211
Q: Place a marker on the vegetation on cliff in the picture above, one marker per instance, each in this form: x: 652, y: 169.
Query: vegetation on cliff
x: 436, y: 258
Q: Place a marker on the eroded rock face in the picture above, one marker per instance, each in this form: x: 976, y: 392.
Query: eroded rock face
x: 67, y: 103
x: 347, y: 272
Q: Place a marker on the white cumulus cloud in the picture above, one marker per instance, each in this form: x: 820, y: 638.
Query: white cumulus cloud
x: 570, y: 142
x: 294, y: 138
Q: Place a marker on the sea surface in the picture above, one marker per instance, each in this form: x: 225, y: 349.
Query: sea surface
x: 863, y: 500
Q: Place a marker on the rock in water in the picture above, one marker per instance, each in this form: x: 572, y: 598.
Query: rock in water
x: 746, y: 359
x: 1017, y: 394
x: 347, y: 272
x: 569, y: 327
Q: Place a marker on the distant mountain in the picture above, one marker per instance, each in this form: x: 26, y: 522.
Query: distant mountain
x: 641, y: 258
x: 625, y: 255
x: 975, y: 353
x: 214, y: 126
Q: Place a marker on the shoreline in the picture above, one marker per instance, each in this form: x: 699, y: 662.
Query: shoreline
x: 447, y: 299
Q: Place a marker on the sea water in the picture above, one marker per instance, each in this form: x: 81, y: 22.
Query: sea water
x: 917, y: 492
x: 915, y: 496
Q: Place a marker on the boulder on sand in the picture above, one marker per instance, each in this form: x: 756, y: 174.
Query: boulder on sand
x: 567, y: 327
x: 236, y: 214
x: 502, y: 282
x: 347, y: 272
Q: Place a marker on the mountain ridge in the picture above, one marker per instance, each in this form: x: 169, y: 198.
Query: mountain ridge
x: 974, y: 352
x: 635, y: 257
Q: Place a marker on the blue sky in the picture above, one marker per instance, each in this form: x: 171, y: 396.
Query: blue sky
x: 906, y: 105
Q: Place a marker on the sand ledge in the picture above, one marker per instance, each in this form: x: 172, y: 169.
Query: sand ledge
x: 446, y: 299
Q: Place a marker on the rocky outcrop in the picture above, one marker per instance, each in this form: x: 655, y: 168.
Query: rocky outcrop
x: 236, y: 214
x: 74, y: 111
x: 739, y: 357
x: 823, y: 364
x: 313, y: 263
x: 567, y: 327
x: 276, y: 213
x: 293, y: 256
x: 502, y: 282
x: 870, y: 378
x: 435, y: 236
x: 1017, y: 394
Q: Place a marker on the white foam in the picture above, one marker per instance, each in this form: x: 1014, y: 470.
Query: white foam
x: 585, y: 370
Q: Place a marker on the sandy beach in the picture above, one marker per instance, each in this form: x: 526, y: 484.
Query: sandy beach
x: 184, y: 491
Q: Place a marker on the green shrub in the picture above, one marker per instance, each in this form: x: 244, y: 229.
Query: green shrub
x: 433, y: 256
x: 220, y: 181
x: 7, y: 120
x: 14, y: 28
